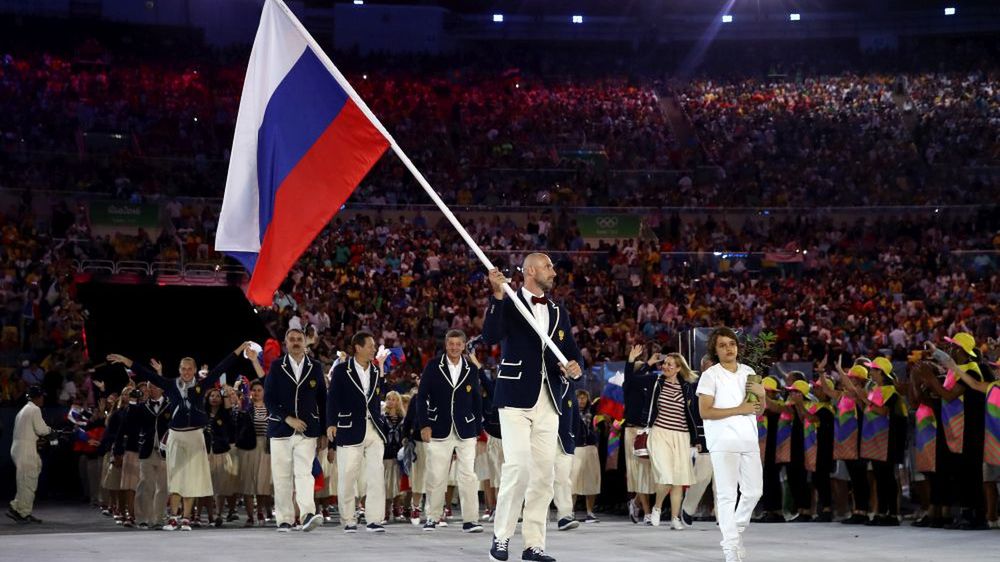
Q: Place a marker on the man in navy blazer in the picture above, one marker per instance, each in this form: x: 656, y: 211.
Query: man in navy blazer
x: 356, y: 424
x: 295, y: 396
x: 569, y: 422
x: 450, y: 418
x: 528, y: 391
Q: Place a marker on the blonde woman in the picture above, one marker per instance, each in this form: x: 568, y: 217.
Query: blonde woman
x: 672, y: 434
x: 394, y: 415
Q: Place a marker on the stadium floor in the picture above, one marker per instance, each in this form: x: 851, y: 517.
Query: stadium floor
x: 78, y: 533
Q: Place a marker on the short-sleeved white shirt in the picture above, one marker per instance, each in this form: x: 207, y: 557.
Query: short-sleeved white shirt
x: 735, y: 434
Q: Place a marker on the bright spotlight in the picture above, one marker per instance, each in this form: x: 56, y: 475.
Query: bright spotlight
x: 949, y: 11
x: 498, y: 18
x: 794, y: 17
x: 359, y: 2
x: 577, y: 19
x: 727, y: 19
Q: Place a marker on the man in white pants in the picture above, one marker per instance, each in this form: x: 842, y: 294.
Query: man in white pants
x: 731, y: 433
x: 450, y: 417
x: 28, y: 427
x: 295, y: 396
x: 356, y: 424
x: 563, y: 480
x: 529, y: 382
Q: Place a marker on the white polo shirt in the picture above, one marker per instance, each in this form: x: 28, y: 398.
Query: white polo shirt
x: 735, y: 434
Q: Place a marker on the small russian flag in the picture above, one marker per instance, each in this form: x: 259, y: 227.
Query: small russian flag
x: 304, y: 141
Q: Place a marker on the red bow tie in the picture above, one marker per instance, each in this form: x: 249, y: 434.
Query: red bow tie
x: 539, y: 300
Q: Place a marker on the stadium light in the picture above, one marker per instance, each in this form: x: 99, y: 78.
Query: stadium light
x: 359, y: 2
x: 794, y: 17
x: 498, y: 18
x: 727, y: 19
x: 949, y: 11
x: 577, y: 19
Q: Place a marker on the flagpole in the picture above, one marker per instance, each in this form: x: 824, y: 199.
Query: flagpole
x: 318, y: 51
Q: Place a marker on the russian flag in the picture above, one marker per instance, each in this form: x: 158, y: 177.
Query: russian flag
x: 304, y: 141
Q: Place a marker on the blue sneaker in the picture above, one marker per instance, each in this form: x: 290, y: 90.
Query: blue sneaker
x: 375, y: 528
x: 350, y: 528
x: 498, y: 552
x: 568, y: 523
x: 472, y: 527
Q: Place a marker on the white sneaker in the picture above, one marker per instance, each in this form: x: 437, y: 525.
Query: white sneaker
x: 676, y: 524
x: 740, y: 549
x: 732, y: 555
x: 647, y: 520
x: 654, y: 517
x: 995, y: 524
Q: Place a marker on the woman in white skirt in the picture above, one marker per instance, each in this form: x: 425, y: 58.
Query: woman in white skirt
x: 672, y: 435
x: 586, y: 472
x: 221, y: 434
x: 394, y: 414
x: 257, y: 472
x: 188, y: 474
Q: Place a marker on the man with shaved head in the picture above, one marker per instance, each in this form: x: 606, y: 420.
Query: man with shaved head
x: 528, y: 394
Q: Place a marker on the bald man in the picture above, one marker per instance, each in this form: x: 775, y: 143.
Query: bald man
x: 528, y: 386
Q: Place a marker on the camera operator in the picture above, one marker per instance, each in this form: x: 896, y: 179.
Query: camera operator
x: 28, y: 427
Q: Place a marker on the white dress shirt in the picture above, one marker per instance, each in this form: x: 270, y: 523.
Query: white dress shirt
x: 454, y: 370
x: 363, y: 375
x: 297, y: 367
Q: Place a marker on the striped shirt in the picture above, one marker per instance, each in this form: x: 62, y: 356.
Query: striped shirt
x: 670, y: 408
x: 260, y: 421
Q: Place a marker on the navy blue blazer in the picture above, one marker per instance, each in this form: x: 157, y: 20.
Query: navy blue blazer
x: 153, y: 427
x: 637, y: 388
x: 441, y: 405
x: 127, y: 440
x: 348, y: 407
x: 569, y: 419
x: 491, y: 416
x: 523, y: 363
x: 305, y: 399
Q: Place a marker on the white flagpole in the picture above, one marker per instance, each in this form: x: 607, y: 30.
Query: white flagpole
x: 419, y: 177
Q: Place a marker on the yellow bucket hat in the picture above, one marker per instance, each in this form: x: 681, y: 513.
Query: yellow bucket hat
x: 858, y: 372
x: 770, y: 383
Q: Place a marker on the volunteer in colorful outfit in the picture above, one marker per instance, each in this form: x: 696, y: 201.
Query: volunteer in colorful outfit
x: 932, y: 457
x: 847, y: 438
x: 963, y: 415
x: 883, y: 439
x: 823, y: 410
x: 188, y: 473
x: 767, y: 438
x: 802, y: 457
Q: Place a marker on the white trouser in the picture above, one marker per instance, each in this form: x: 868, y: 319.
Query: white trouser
x: 351, y: 461
x: 734, y: 471
x: 28, y: 465
x: 291, y: 468
x: 703, y: 475
x: 530, y: 442
x: 562, y: 485
x: 151, y: 494
x: 438, y: 461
